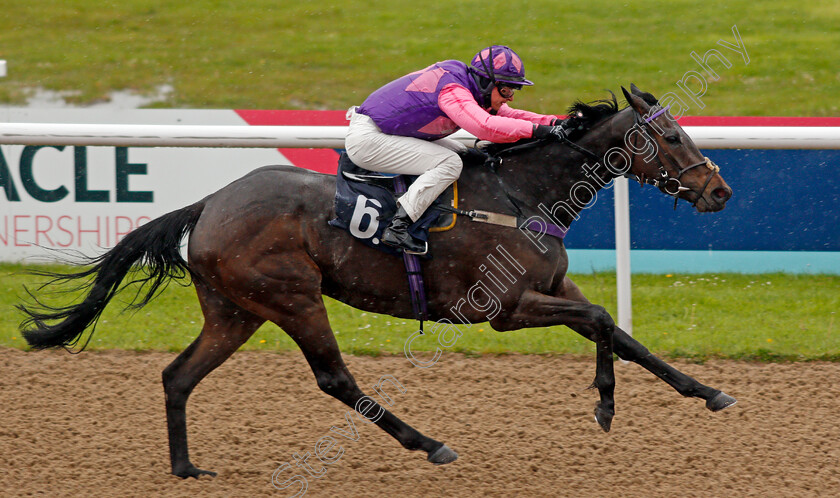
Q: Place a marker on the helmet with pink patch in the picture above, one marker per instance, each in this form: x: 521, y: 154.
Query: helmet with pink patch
x: 506, y: 66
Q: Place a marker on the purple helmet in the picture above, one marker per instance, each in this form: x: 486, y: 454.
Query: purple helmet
x: 506, y: 65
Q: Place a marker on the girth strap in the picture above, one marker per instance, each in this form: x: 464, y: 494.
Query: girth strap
x: 416, y: 287
x: 507, y: 220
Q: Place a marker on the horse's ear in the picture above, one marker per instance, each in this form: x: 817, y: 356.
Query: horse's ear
x: 635, y: 102
x: 646, y: 96
x: 626, y: 94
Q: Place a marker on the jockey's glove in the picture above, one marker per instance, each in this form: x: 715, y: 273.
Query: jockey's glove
x: 478, y: 156
x: 474, y: 155
x: 557, y: 132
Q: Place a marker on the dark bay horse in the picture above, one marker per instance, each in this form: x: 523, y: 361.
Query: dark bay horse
x: 261, y: 249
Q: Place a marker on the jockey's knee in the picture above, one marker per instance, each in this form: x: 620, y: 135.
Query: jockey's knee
x: 450, y: 168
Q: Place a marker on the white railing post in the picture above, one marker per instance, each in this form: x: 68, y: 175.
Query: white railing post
x: 622, y: 254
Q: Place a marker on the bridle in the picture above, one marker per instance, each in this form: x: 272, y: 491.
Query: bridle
x: 669, y: 184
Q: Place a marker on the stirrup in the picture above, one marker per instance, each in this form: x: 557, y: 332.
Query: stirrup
x: 425, y: 249
x: 401, y: 242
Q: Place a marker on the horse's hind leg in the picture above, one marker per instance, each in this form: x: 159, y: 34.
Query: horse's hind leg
x: 304, y: 318
x: 630, y: 349
x: 226, y: 327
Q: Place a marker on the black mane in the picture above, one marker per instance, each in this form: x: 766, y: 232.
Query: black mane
x: 583, y: 116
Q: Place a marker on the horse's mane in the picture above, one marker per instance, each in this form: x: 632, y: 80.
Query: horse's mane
x: 581, y: 117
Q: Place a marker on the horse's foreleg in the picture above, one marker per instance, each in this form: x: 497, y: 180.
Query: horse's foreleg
x: 540, y: 310
x: 226, y: 327
x: 630, y: 349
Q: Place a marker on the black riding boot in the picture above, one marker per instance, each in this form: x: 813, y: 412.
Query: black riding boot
x: 397, y: 234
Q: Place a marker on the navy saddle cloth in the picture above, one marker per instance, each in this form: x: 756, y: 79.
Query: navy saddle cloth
x: 366, y: 201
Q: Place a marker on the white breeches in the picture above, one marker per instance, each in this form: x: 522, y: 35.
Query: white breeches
x: 437, y: 163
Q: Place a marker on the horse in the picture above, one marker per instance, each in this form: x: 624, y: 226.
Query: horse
x: 260, y: 249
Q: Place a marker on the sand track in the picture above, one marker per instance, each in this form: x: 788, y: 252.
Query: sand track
x: 93, y: 425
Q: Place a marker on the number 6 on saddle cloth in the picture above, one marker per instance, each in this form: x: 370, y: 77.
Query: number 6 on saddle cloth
x: 365, y: 202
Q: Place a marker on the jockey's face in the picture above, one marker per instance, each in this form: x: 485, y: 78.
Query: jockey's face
x: 496, y: 99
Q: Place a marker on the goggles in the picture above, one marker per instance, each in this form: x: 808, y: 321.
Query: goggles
x: 506, y: 91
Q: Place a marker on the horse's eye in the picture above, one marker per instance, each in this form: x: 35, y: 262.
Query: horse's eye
x: 674, y: 139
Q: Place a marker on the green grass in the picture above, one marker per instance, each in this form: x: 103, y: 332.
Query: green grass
x: 765, y: 317
x: 331, y: 54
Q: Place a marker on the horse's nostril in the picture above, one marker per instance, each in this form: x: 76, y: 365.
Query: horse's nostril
x: 722, y: 194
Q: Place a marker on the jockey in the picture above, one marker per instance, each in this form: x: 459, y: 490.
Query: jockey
x: 401, y: 128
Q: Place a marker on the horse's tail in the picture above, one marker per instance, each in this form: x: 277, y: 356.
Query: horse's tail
x: 155, y: 246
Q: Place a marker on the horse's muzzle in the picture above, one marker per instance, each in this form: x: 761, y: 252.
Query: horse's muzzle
x: 714, y: 200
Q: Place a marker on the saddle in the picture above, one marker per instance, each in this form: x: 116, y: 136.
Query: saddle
x: 366, y: 201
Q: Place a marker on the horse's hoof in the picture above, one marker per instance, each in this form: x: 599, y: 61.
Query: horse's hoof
x: 194, y: 472
x: 720, y: 401
x: 604, y: 418
x: 442, y: 455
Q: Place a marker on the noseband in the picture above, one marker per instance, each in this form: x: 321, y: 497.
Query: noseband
x: 671, y: 185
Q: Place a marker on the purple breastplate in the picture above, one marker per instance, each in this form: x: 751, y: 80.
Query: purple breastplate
x: 408, y: 106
